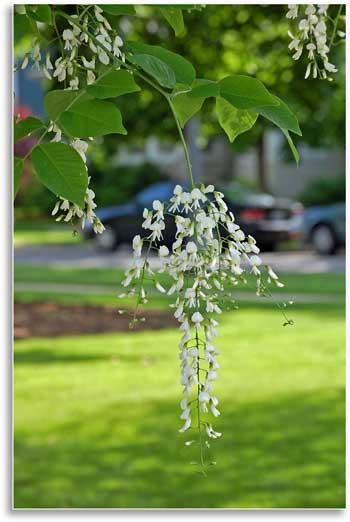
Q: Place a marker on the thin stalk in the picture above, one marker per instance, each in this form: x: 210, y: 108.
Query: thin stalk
x: 141, y: 281
x: 183, y: 141
x: 335, y: 26
x: 202, y: 462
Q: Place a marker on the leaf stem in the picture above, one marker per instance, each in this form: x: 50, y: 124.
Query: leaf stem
x: 335, y: 26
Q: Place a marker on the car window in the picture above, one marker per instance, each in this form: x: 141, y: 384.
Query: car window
x: 161, y: 191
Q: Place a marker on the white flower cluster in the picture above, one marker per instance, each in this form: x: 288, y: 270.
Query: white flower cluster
x: 210, y: 254
x: 71, y: 66
x: 310, y: 36
x: 71, y: 211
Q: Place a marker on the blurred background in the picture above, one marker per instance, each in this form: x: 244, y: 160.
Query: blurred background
x: 96, y: 405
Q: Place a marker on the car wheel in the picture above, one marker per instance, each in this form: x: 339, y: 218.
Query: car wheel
x: 108, y: 240
x: 323, y: 240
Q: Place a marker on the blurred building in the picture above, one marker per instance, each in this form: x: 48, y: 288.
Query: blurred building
x: 218, y: 163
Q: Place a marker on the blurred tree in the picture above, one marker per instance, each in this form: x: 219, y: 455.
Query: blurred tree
x: 244, y: 39
x: 228, y: 39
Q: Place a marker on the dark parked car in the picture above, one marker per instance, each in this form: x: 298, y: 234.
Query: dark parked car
x: 270, y: 220
x: 324, y: 227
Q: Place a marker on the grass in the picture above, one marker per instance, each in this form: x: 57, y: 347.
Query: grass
x: 96, y: 418
x: 30, y: 234
x: 331, y: 283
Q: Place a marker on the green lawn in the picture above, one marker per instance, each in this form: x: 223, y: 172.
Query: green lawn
x: 26, y: 234
x: 330, y: 283
x: 96, y: 417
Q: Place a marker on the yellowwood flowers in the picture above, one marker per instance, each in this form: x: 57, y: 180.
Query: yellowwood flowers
x: 313, y: 35
x: 209, y: 256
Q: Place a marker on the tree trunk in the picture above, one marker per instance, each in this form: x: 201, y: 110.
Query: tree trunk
x: 261, y: 164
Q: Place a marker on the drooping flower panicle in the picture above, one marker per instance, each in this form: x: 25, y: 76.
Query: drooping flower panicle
x: 209, y: 256
x: 310, y: 37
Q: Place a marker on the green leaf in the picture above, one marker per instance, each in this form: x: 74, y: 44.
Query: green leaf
x: 204, y: 89
x: 292, y: 146
x: 113, y: 84
x: 174, y: 18
x: 182, y: 68
x: 118, y: 10
x: 245, y: 92
x: 185, y: 107
x: 57, y: 101
x: 40, y: 13
x: 156, y: 68
x: 21, y: 27
x: 17, y: 170
x: 92, y: 118
x: 26, y: 127
x: 234, y: 121
x: 61, y: 169
x: 281, y: 116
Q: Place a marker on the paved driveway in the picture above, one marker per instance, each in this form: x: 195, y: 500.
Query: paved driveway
x: 86, y: 256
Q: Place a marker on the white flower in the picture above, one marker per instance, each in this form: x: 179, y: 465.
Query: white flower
x: 157, y: 228
x: 53, y: 127
x: 103, y: 56
x: 208, y: 189
x: 90, y: 77
x: 81, y: 147
x: 271, y: 273
x: 211, y: 433
x: 25, y: 62
x: 137, y: 246
x: 320, y: 28
x: 98, y: 15
x: 322, y: 9
x: 68, y: 38
x: 191, y: 248
x: 330, y: 67
x: 147, y: 215
x: 190, y: 296
x: 197, y: 318
x: 214, y: 410
x: 197, y: 196
x: 186, y: 200
x: 160, y: 288
x: 49, y: 65
x: 46, y: 73
x: 293, y: 11
x: 311, y: 48
x: 255, y: 260
x: 308, y: 70
x: 88, y: 64
x: 186, y: 426
x: 310, y: 10
x: 74, y: 83
x: 163, y: 251
x: 117, y: 43
x: 159, y: 208
x: 299, y: 52
x: 203, y: 397
x: 294, y: 44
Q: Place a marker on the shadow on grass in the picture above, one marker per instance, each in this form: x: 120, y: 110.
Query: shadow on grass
x: 45, y: 356
x: 285, y: 453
